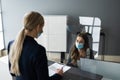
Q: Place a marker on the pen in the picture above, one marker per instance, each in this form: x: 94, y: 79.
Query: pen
x: 63, y: 66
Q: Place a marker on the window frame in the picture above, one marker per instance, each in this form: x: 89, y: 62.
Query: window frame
x: 90, y: 24
x: 2, y: 29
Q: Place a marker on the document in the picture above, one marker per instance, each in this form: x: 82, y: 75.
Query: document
x: 52, y: 68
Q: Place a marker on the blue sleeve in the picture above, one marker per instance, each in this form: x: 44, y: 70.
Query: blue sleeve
x: 8, y: 50
x: 9, y: 44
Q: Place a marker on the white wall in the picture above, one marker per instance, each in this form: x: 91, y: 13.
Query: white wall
x: 54, y: 36
x: 107, y: 10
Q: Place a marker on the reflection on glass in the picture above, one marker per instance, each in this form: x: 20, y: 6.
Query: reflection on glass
x: 86, y: 20
x: 1, y: 41
x: 92, y: 26
x: 97, y: 22
x: 96, y: 33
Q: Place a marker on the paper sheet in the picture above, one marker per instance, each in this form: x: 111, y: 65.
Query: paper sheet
x: 55, y: 66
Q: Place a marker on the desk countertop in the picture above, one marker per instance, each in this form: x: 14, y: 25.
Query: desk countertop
x: 72, y: 74
x: 77, y: 74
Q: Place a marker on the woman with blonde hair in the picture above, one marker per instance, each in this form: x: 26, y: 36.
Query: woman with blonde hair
x: 27, y: 58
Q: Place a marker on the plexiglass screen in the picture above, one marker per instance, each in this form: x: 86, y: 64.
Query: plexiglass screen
x: 93, y: 26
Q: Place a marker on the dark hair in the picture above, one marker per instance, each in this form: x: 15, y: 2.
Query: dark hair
x: 74, y: 51
x: 85, y: 37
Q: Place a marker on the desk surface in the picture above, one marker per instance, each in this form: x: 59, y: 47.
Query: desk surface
x: 77, y: 74
x: 71, y: 74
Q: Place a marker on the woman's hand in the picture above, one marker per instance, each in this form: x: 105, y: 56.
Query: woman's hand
x: 60, y: 71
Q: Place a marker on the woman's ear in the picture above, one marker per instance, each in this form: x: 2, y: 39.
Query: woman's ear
x: 41, y: 28
x: 38, y: 28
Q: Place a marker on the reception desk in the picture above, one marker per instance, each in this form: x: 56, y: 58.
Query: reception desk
x: 71, y: 74
x: 77, y: 74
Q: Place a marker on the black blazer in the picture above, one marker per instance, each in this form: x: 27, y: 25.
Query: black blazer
x: 33, y: 62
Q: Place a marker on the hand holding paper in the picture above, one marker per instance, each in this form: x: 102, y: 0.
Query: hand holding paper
x: 55, y: 66
x: 59, y: 71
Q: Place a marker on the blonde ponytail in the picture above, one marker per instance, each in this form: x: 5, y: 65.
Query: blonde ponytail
x: 15, y: 52
x: 31, y: 21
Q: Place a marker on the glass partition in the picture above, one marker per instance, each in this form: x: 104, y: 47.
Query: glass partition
x: 109, y: 70
x: 92, y: 26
